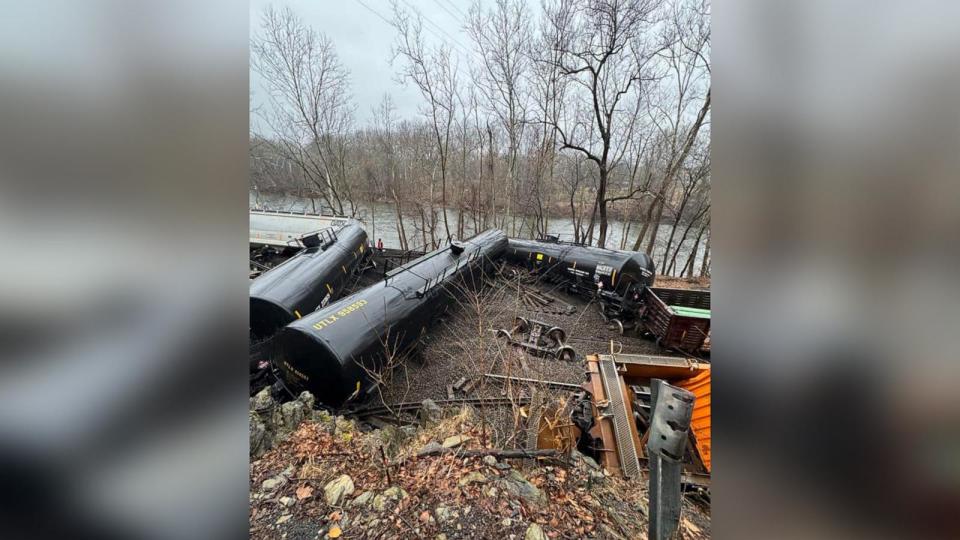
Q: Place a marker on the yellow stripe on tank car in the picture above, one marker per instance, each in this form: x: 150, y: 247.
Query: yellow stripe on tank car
x: 297, y: 313
x: 329, y: 289
x: 613, y: 278
x: 344, y: 268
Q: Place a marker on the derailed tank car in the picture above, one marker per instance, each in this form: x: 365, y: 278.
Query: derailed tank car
x: 624, y: 273
x: 326, y: 352
x: 312, y: 278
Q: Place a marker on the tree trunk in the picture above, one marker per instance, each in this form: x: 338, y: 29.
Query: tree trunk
x: 443, y: 193
x: 666, y: 249
x: 676, y: 251
x: 602, y: 204
x: 706, y: 256
x: 401, y: 231
x: 646, y: 225
x: 692, y: 259
x: 592, y: 224
x: 652, y: 243
x: 493, y: 183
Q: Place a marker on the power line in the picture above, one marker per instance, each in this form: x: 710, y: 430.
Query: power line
x: 445, y: 8
x: 437, y: 26
x: 454, y: 6
x: 375, y: 12
x: 427, y: 28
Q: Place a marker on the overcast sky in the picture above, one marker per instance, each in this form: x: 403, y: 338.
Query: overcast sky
x: 363, y: 41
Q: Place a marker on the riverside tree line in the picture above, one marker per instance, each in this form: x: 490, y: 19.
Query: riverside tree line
x: 594, y: 110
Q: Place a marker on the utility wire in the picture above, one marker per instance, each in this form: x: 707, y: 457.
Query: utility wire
x: 454, y: 6
x: 375, y: 12
x: 427, y: 28
x: 445, y: 8
x: 454, y: 41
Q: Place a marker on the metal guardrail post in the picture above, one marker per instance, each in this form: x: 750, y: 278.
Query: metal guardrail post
x: 672, y: 409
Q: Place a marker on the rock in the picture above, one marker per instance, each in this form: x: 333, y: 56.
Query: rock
x: 441, y: 536
x: 490, y: 460
x: 288, y: 472
x: 292, y: 413
x: 430, y: 448
x: 396, y: 492
x: 363, y: 499
x: 517, y: 485
x: 284, y: 518
x: 506, y: 522
x: 344, y: 425
x: 588, y: 461
x: 504, y: 466
x: 475, y: 477
x: 596, y: 477
x: 260, y: 438
x: 335, y: 490
x: 287, y: 501
x: 322, y: 417
x: 456, y: 440
x: 392, y: 437
x: 491, y: 492
x: 271, y: 484
x: 307, y: 399
x: 263, y: 400
x: 534, y: 532
x: 443, y: 513
x: 429, y: 412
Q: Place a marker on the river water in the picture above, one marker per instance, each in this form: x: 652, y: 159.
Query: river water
x: 380, y: 221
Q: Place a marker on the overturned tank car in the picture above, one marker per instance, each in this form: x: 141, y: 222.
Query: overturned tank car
x: 328, y: 352
x: 622, y: 273
x: 310, y: 279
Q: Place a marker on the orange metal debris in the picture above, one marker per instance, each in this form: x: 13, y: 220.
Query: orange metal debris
x: 699, y: 385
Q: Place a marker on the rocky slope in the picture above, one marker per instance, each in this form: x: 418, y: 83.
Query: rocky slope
x: 313, y: 475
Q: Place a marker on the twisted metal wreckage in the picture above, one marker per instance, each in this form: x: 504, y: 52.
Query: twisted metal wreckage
x: 308, y: 338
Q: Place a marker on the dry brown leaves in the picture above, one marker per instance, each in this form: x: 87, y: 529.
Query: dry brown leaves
x: 304, y: 492
x: 574, y: 511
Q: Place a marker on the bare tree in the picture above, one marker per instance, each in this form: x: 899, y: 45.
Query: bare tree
x: 686, y: 57
x: 501, y: 36
x: 603, y: 47
x: 595, y: 111
x: 310, y: 110
x: 434, y: 72
x: 691, y: 180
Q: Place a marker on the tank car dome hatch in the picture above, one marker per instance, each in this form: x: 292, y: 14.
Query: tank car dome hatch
x: 313, y: 277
